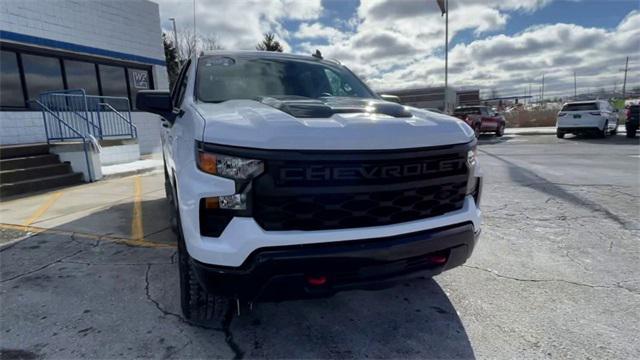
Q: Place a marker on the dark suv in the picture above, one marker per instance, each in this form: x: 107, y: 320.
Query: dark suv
x: 633, y: 116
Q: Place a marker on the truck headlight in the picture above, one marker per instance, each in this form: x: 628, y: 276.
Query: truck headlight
x: 471, y: 158
x: 229, y: 166
x: 474, y: 184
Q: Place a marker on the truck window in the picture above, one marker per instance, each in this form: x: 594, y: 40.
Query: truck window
x: 580, y: 107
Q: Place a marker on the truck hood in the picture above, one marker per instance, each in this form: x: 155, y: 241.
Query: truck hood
x: 327, y: 124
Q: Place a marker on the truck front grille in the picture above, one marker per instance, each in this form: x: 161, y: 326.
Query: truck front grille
x: 318, y: 191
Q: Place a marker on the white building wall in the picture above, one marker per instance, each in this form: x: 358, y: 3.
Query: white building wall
x: 21, y: 127
x: 127, y: 26
x: 130, y: 27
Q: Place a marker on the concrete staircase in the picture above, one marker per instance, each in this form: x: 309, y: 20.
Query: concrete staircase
x: 30, y: 167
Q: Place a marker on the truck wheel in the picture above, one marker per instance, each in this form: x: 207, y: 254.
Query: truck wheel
x: 631, y: 132
x: 198, y: 306
x: 559, y: 134
x: 476, y: 130
x: 615, y: 130
x: 500, y: 131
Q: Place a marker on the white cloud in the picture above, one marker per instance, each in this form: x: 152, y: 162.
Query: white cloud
x: 398, y: 44
x: 319, y: 31
x: 238, y: 24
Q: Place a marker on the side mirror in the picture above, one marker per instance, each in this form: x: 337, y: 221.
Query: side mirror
x: 157, y: 102
x: 392, y: 98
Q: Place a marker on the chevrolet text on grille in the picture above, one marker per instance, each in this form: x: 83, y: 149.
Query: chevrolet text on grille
x: 321, y: 172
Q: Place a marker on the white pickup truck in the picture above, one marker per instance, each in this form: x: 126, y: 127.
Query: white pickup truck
x: 289, y: 178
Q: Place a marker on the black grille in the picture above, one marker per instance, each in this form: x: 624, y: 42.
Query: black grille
x: 359, y: 189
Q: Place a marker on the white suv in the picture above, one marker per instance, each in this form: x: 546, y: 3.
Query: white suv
x: 580, y: 117
x: 289, y: 178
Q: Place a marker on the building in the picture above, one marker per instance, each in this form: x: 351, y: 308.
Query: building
x: 468, y: 97
x: 107, y: 48
x: 434, y: 97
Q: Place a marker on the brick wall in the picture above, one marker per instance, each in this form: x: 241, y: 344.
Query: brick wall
x: 21, y: 127
x: 128, y: 26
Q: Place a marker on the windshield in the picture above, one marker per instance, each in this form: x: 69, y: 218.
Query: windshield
x: 467, y: 111
x: 221, y: 78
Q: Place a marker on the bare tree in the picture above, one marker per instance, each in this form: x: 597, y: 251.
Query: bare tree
x: 189, y: 44
x: 209, y: 43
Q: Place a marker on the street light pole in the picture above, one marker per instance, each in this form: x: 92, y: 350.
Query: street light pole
x: 175, y: 35
x: 624, y: 84
x: 446, y: 46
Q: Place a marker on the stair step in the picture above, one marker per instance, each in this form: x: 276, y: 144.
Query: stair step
x: 22, y: 150
x: 43, y: 183
x: 28, y: 161
x: 35, y: 172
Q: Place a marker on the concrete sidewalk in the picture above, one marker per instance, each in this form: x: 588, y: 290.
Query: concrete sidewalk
x: 546, y: 130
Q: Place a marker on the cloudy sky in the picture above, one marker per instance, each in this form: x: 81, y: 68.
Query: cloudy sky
x: 499, y: 45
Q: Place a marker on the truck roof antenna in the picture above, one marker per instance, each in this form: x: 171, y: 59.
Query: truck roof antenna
x: 317, y: 54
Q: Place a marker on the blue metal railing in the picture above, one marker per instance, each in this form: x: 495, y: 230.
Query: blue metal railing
x: 64, y: 131
x: 99, y: 116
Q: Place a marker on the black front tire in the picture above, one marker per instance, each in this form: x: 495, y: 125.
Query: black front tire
x: 559, y: 134
x: 605, y: 129
x: 631, y: 132
x: 198, y: 306
x: 500, y: 130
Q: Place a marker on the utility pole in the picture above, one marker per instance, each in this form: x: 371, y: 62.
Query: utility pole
x: 446, y: 45
x: 575, y: 86
x: 175, y: 35
x: 542, y: 90
x: 624, y: 84
x: 195, y: 34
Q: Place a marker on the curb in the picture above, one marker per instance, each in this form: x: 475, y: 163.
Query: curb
x: 131, y: 172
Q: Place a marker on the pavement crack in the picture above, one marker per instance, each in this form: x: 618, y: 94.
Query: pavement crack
x: 89, y: 263
x: 228, y: 335
x: 496, y: 274
x: 167, y: 312
x: 42, y: 267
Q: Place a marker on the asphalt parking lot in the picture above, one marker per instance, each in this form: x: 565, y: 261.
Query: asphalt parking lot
x: 555, y: 275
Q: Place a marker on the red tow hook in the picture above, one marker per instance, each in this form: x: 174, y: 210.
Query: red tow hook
x: 316, y: 280
x: 438, y: 259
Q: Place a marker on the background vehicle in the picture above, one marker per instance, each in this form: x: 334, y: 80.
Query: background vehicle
x: 583, y: 117
x: 289, y: 178
x: 481, y: 119
x: 633, y: 118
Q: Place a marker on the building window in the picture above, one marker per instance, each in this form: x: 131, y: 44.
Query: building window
x: 25, y: 74
x: 81, y: 75
x: 41, y: 73
x: 114, y: 83
x: 138, y: 80
x: 11, y: 94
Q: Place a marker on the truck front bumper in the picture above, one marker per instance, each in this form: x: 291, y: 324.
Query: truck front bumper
x: 322, y: 269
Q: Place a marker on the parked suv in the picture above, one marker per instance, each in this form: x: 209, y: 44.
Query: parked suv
x: 481, y: 119
x: 289, y: 178
x: 633, y: 118
x: 582, y: 117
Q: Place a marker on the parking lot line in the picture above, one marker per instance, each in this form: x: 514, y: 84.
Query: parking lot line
x: 136, y: 223
x: 43, y: 208
x: 87, y: 236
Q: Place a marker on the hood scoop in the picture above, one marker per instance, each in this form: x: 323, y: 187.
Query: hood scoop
x: 325, y: 107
